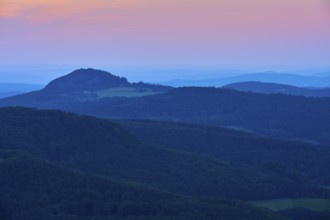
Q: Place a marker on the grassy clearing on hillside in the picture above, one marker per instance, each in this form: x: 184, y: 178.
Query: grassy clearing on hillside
x: 283, y: 204
x: 326, y: 187
x: 124, y: 92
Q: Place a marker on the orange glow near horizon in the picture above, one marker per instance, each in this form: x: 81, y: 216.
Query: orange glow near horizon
x: 237, y: 27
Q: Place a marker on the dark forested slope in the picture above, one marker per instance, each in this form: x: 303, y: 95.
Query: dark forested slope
x: 33, y: 189
x: 281, y: 116
x: 307, y: 162
x: 100, y: 147
x: 153, y: 160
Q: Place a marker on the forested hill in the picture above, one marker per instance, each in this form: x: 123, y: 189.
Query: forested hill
x: 82, y: 165
x: 103, y: 148
x: 93, y: 80
x: 35, y: 189
x: 280, y: 116
x: 307, y: 162
x: 85, y: 79
x: 48, y: 189
x: 84, y: 85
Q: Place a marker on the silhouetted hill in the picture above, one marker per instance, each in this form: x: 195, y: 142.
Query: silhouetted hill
x: 92, y: 80
x: 87, y: 85
x: 36, y: 189
x: 85, y: 79
x: 274, y: 88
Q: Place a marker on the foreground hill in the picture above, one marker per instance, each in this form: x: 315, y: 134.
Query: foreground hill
x: 274, y: 88
x: 103, y: 148
x: 185, y: 167
x: 35, y: 189
x: 297, y: 160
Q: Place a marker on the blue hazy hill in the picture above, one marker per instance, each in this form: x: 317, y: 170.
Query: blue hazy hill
x: 271, y: 77
x: 10, y: 89
x: 275, y: 88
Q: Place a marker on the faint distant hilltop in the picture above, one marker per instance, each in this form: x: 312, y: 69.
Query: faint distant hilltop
x: 274, y: 88
x: 11, y: 89
x: 318, y: 80
x: 92, y: 84
x: 173, y: 76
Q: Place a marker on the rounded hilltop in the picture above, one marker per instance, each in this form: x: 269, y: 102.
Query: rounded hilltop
x: 86, y: 79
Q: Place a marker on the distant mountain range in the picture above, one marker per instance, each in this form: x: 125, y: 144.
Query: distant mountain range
x: 11, y: 89
x: 270, y: 77
x: 274, y: 88
x: 9, y: 94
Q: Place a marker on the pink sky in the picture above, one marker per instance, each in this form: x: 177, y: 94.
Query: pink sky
x: 166, y: 32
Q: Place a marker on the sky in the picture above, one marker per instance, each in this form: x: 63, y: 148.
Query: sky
x: 181, y: 33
